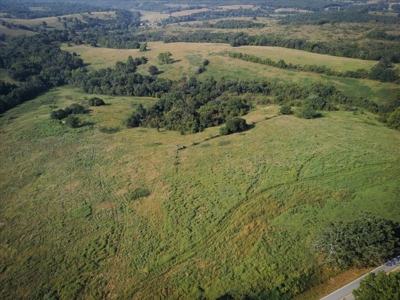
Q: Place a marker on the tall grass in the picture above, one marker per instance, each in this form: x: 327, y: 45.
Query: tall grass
x: 92, y: 215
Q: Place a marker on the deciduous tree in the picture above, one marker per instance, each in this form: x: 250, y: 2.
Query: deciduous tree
x: 380, y: 286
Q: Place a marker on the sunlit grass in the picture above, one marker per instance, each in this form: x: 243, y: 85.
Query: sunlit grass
x: 217, y: 213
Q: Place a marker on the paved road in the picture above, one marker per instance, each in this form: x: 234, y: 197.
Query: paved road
x: 346, y: 291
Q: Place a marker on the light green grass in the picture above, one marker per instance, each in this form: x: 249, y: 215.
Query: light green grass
x: 225, y: 215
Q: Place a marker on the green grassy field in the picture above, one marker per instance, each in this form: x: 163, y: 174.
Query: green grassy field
x: 223, y: 215
x: 106, y: 212
x: 188, y: 56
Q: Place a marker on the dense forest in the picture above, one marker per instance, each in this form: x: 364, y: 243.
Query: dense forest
x: 37, y: 64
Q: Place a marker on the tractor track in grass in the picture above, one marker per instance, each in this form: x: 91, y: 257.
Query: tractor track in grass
x: 175, y: 263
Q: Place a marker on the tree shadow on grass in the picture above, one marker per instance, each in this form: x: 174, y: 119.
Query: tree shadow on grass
x: 86, y: 124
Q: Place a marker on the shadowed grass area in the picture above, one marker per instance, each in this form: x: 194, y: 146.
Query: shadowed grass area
x: 94, y: 215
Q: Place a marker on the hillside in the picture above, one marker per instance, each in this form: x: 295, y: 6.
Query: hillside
x: 224, y: 215
x: 206, y: 150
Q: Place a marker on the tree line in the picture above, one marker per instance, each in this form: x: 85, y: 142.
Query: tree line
x: 383, y: 71
x: 228, y: 24
x: 21, y: 10
x: 343, y: 16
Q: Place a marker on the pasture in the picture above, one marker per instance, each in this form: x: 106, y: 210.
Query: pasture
x: 222, y: 215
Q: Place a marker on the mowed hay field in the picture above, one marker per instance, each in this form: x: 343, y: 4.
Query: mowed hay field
x: 91, y: 215
x: 188, y: 56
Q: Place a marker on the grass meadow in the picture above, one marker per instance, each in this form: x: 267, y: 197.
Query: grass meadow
x: 188, y: 56
x: 125, y: 215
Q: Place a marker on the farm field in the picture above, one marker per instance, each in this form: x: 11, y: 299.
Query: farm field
x: 213, y: 215
x: 188, y: 56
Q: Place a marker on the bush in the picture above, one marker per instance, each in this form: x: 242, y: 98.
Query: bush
x: 393, y: 120
x: 307, y: 112
x: 153, y: 70
x: 96, y: 101
x: 58, y: 114
x: 72, y: 121
x: 233, y: 125
x: 140, y: 193
x: 75, y: 109
x: 285, y: 110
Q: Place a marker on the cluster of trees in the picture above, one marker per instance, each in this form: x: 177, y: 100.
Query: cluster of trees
x: 11, y: 25
x: 332, y: 17
x: 110, y: 33
x: 363, y: 242
x: 191, y: 106
x: 233, y: 125
x: 367, y: 51
x: 122, y: 80
x: 383, y: 71
x: 73, y: 109
x: 382, y: 35
x: 229, y: 24
x: 380, y: 286
x: 164, y: 58
x: 37, y: 64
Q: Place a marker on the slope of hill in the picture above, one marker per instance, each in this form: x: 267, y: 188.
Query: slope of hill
x: 128, y: 215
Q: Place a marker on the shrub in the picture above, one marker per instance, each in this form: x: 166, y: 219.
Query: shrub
x: 75, y: 109
x: 285, y: 110
x: 393, y: 120
x: 153, y: 70
x: 72, y: 121
x: 140, y: 193
x: 96, y: 101
x: 58, y: 114
x: 307, y: 112
x: 233, y: 125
